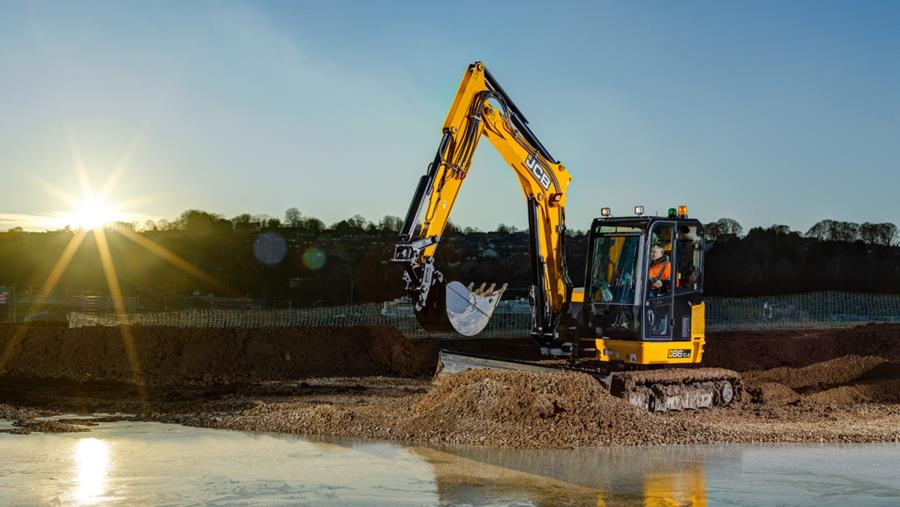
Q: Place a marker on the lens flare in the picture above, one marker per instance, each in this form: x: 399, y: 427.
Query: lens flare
x: 314, y: 258
x: 269, y: 248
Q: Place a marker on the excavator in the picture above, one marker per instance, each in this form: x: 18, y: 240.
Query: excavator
x: 640, y: 309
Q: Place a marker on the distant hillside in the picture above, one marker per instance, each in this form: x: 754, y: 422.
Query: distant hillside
x: 302, y: 260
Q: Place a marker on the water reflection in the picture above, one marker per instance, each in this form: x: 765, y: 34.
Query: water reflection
x: 687, y: 488
x: 612, y: 476
x: 144, y: 463
x: 91, y: 457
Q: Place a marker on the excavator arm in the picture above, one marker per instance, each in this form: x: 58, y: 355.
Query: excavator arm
x: 483, y: 109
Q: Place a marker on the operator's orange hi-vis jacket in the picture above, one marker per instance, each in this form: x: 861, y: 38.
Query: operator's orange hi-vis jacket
x: 660, y: 271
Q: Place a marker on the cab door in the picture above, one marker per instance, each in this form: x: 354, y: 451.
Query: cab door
x: 688, y: 276
x: 658, y: 310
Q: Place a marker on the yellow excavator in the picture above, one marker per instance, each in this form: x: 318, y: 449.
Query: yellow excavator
x: 641, y: 305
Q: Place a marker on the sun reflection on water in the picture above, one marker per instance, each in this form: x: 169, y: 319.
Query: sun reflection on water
x: 92, y: 462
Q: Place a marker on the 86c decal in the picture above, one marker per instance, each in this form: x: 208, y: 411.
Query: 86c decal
x: 679, y: 353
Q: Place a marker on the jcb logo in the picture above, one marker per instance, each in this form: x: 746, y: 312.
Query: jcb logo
x: 539, y: 172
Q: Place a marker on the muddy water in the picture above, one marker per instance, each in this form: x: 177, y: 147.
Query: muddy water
x: 132, y: 463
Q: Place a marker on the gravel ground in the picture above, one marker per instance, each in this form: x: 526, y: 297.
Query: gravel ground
x: 846, y: 390
x: 505, y: 409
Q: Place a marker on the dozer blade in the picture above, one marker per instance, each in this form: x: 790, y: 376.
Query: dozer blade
x: 671, y: 389
x: 455, y: 362
x: 456, y: 308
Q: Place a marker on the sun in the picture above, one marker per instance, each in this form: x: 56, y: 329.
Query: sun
x: 91, y: 213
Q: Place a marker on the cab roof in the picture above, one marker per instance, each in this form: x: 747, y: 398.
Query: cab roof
x: 639, y: 221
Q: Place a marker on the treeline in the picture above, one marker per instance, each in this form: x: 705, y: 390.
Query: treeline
x: 881, y: 234
x: 776, y: 260
x: 300, y: 258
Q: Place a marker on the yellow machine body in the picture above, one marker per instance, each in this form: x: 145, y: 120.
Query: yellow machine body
x: 482, y: 109
x: 657, y: 352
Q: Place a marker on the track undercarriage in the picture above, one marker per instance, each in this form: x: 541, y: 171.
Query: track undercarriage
x: 660, y: 390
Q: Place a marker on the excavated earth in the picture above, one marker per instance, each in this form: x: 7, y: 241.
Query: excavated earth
x: 799, y: 386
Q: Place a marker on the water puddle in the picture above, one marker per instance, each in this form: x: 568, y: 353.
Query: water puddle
x: 131, y: 463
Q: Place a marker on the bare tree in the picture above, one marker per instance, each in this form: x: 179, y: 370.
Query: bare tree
x: 292, y: 217
x: 507, y: 229
x: 834, y: 230
x: 729, y: 226
x: 844, y: 231
x: 878, y: 234
x: 313, y: 225
x: 358, y: 222
x: 711, y: 231
x: 780, y: 229
x: 390, y: 223
x: 243, y: 222
x: 194, y: 220
x: 821, y: 230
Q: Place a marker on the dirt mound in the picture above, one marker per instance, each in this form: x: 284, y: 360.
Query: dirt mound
x: 818, y: 376
x: 165, y: 355
x: 887, y: 391
x: 761, y: 350
x: 844, y: 380
x: 772, y: 393
x: 524, y: 409
x: 198, y: 356
x: 26, y: 426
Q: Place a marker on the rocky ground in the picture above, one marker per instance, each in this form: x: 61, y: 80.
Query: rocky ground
x: 815, y: 386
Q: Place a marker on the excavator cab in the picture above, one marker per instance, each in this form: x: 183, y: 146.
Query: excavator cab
x: 643, y: 298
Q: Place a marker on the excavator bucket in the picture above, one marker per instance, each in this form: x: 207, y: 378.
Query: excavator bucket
x: 453, y: 307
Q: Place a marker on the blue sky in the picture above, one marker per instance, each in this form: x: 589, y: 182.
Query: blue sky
x: 780, y: 112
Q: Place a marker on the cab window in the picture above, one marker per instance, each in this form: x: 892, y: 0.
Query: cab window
x: 659, y: 269
x: 688, y: 277
x: 613, y: 270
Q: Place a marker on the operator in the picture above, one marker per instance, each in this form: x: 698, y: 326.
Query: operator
x: 660, y: 272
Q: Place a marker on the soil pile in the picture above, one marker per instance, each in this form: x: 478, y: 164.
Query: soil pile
x: 524, y: 409
x: 841, y: 381
x: 761, y: 350
x: 494, y: 408
x: 772, y: 393
x: 210, y: 356
x: 173, y: 356
x: 886, y: 391
x: 27, y: 426
x: 818, y: 376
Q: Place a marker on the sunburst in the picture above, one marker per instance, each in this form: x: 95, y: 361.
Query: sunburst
x: 93, y: 212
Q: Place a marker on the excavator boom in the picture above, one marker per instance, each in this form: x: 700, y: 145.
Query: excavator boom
x: 482, y: 108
